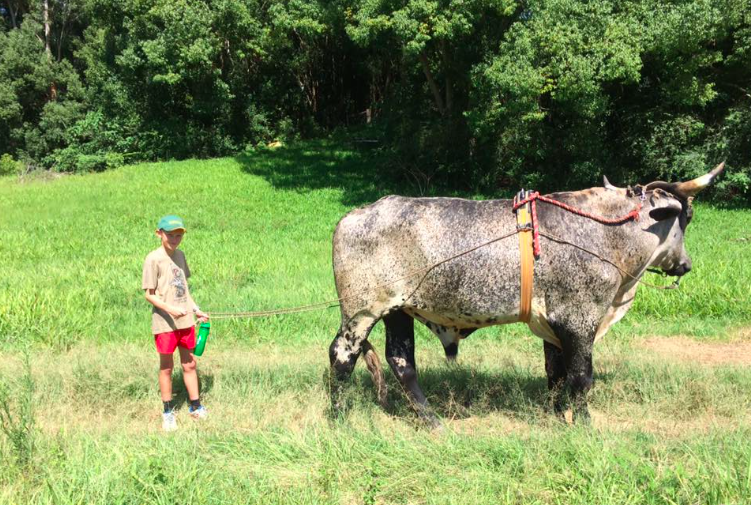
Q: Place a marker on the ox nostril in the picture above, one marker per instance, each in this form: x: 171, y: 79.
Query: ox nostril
x: 688, y: 264
x: 684, y: 267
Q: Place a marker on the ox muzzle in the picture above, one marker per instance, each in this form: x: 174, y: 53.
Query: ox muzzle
x: 682, y: 269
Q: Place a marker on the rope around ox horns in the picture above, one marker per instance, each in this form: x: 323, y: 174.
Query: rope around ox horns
x: 335, y: 302
x: 533, y: 197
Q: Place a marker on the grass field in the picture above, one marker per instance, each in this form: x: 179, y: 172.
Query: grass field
x: 671, y: 405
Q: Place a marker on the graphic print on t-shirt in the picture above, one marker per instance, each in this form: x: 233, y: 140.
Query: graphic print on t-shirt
x: 178, y: 281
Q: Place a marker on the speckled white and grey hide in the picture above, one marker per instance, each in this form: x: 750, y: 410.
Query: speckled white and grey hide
x: 576, y: 298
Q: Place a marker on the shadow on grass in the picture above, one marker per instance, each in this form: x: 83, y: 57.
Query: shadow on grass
x: 461, y: 392
x: 180, y: 394
x: 363, y: 174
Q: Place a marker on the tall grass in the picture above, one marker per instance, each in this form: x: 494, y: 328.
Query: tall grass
x: 17, y: 414
x: 664, y: 432
x: 284, y: 468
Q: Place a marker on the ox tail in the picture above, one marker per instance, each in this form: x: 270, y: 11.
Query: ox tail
x: 373, y: 362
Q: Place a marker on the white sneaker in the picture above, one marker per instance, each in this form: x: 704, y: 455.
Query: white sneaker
x: 169, y: 421
x: 199, y: 413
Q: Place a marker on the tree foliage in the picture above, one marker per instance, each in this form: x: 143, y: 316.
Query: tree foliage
x: 485, y: 94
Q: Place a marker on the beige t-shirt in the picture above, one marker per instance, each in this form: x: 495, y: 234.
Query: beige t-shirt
x: 168, y: 276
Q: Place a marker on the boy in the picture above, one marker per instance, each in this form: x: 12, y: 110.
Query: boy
x: 165, y: 276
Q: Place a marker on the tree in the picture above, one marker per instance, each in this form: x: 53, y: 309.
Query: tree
x: 439, y: 42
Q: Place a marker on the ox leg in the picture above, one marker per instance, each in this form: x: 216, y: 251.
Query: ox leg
x: 344, y: 351
x: 555, y: 367
x: 580, y: 378
x: 400, y: 353
x: 577, y: 339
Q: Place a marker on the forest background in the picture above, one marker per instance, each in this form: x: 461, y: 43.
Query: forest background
x: 479, y: 95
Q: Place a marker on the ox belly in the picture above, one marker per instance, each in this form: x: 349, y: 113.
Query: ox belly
x: 450, y: 327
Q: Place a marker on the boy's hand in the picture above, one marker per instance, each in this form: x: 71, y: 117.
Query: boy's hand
x: 202, y: 316
x: 176, y: 313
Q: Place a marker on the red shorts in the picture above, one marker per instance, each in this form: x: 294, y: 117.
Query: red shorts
x: 168, y: 341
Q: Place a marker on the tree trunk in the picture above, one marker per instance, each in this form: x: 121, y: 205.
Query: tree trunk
x: 60, y: 44
x: 12, y: 14
x: 46, y: 15
x: 431, y: 83
x: 47, y: 48
x: 449, y: 82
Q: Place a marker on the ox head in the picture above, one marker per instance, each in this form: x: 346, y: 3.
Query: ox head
x: 667, y: 212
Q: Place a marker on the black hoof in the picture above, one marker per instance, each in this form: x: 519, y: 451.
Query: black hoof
x: 383, y: 400
x: 428, y: 417
x: 337, y: 395
x: 560, y: 416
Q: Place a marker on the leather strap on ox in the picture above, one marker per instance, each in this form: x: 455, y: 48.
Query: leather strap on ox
x: 527, y: 228
x: 524, y: 226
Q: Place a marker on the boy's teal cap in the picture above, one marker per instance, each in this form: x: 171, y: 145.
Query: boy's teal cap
x: 171, y: 223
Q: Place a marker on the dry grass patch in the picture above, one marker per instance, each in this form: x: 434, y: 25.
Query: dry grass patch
x: 640, y: 419
x: 737, y: 352
x: 742, y: 334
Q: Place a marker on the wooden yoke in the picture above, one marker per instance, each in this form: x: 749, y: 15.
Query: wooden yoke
x: 524, y: 230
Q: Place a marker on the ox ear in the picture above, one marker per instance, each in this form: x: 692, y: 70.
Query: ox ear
x: 671, y: 210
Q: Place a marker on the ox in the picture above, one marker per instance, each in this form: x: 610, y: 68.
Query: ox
x: 577, y: 296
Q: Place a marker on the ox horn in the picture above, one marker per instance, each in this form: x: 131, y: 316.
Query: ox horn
x: 606, y: 183
x: 690, y: 188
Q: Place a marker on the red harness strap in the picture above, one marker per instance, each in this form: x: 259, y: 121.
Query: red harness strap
x: 534, y: 196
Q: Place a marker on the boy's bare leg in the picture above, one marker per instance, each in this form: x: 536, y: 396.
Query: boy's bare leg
x: 190, y: 376
x: 165, y: 376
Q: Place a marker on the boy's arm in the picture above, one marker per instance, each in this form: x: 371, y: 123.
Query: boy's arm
x: 149, y: 284
x: 201, y: 315
x: 154, y: 300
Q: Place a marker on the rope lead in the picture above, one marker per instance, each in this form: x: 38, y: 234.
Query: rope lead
x: 532, y: 198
